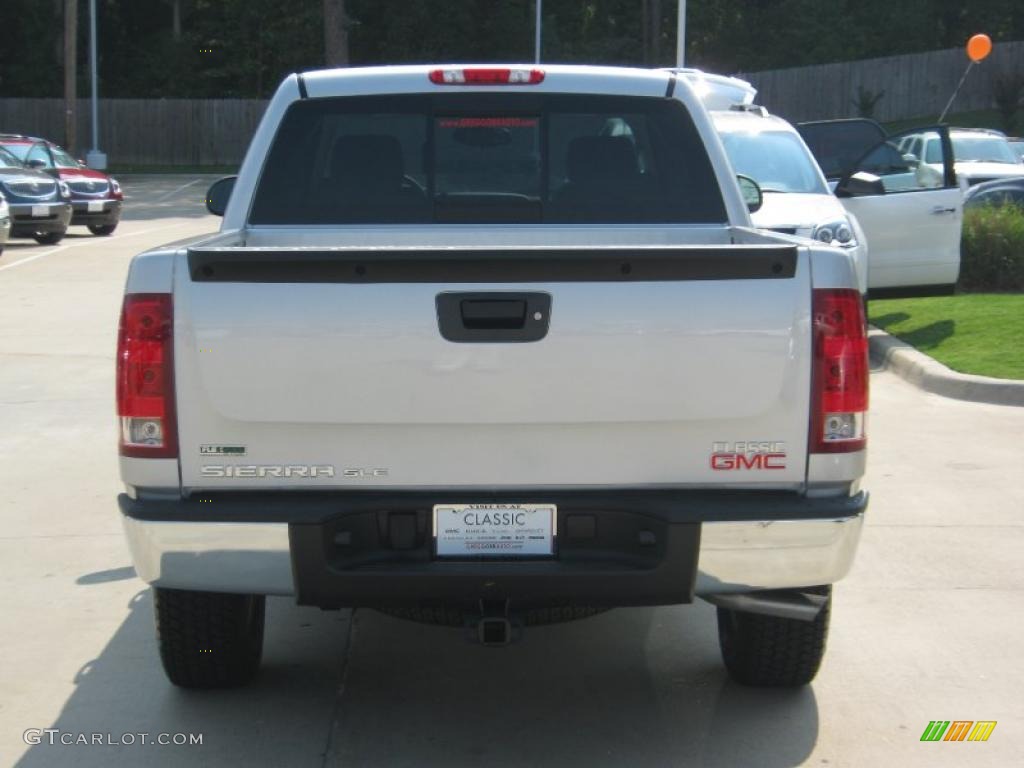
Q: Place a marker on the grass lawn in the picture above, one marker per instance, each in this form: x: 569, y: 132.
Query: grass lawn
x: 980, y: 333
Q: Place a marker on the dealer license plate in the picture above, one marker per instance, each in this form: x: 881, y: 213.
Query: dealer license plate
x: 495, y: 530
x: 95, y: 206
x: 38, y: 211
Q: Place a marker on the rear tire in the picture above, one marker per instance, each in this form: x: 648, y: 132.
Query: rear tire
x: 50, y: 238
x: 102, y: 230
x: 772, y: 652
x: 209, y: 639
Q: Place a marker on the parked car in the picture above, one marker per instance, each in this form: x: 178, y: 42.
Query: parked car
x: 40, y: 206
x: 5, y: 221
x: 998, y: 192
x: 537, y: 366
x: 797, y: 200
x: 96, y: 198
x: 889, y: 224
x: 980, y: 154
x: 1016, y: 144
x: 911, y: 212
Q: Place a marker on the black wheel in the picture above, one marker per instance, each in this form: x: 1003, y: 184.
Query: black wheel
x: 209, y: 639
x: 771, y: 652
x: 102, y: 229
x: 50, y: 238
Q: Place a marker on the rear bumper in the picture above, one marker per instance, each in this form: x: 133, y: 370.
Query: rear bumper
x: 224, y: 545
x: 54, y: 217
x: 95, y: 212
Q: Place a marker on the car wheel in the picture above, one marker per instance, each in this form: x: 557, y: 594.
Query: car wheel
x: 209, y: 639
x: 102, y: 229
x: 50, y: 238
x: 772, y: 652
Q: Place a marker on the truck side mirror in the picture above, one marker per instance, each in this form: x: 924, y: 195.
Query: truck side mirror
x: 860, y: 184
x: 751, y: 192
x: 218, y: 195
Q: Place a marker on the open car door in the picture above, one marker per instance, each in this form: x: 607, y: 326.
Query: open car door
x: 838, y: 144
x: 904, y: 193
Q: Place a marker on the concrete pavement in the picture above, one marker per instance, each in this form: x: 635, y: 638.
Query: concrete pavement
x: 927, y: 627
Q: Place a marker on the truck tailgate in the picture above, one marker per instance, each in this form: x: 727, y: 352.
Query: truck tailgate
x: 651, y: 359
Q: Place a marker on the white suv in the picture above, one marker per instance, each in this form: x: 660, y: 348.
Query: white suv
x: 980, y: 155
x: 797, y: 199
x: 910, y: 213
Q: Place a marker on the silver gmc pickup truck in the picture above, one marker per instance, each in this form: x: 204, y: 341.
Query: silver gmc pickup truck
x: 491, y: 347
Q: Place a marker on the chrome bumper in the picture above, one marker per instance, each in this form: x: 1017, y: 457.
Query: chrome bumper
x: 255, y: 558
x: 748, y: 556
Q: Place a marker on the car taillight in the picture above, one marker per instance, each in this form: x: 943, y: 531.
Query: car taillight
x: 486, y: 76
x: 840, y: 372
x: 145, y: 377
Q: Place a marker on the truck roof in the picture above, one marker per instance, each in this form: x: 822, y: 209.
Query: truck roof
x: 562, y: 78
x: 749, y: 121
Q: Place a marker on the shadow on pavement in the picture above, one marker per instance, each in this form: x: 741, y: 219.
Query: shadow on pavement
x: 630, y: 687
x: 103, y: 577
x: 282, y: 719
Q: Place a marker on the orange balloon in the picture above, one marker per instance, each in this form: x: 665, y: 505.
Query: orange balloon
x: 978, y: 47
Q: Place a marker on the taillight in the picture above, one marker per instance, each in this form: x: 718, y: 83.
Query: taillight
x: 145, y: 377
x: 486, y: 76
x: 840, y: 372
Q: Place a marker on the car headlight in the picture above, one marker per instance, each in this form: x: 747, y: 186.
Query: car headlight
x: 838, y: 232
x: 115, y: 187
x: 65, y: 190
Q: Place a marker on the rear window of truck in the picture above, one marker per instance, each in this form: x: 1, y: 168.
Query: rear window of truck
x: 487, y: 158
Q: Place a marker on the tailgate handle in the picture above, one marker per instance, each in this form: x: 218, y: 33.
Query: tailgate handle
x: 493, y: 316
x: 502, y: 313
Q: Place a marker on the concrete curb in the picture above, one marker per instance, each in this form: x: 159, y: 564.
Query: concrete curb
x: 932, y: 376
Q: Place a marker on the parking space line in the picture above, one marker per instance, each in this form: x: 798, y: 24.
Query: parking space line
x: 58, y: 249
x: 176, y: 191
x: 33, y: 257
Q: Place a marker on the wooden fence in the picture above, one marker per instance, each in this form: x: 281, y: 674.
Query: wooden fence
x: 916, y: 85
x: 147, y: 131
x: 217, y: 131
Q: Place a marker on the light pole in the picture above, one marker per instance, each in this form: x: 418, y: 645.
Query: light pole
x: 681, y: 35
x: 94, y: 158
x: 539, y: 5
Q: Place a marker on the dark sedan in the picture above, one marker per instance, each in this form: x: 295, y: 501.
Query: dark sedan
x: 96, y: 198
x: 40, y: 205
x: 1008, y: 191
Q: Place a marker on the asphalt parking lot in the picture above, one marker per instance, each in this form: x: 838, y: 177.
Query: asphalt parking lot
x: 928, y: 626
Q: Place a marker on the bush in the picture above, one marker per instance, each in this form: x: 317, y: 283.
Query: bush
x: 992, y: 250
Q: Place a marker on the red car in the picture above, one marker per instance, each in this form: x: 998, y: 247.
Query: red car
x: 96, y: 198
